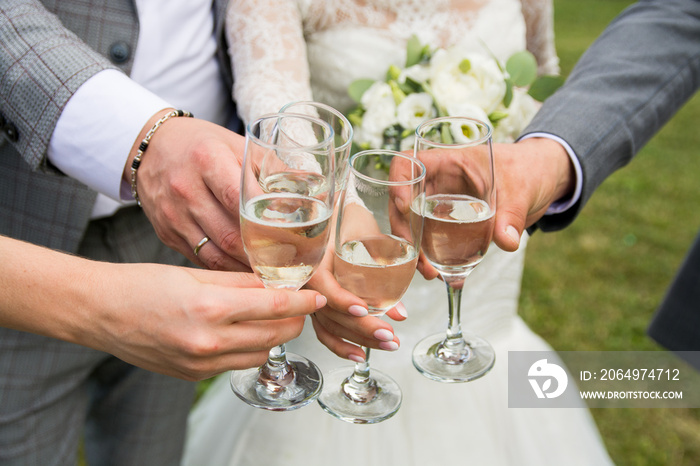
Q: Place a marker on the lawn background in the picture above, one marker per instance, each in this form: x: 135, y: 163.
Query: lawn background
x: 596, y: 285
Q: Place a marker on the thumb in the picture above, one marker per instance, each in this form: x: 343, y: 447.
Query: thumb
x: 509, y: 226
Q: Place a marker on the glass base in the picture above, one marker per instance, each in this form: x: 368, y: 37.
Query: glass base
x: 379, y: 404
x: 303, y: 387
x: 462, y: 364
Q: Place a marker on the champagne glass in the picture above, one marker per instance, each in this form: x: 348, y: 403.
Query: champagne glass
x: 286, y: 204
x: 460, y: 206
x: 377, y: 242
x: 341, y: 127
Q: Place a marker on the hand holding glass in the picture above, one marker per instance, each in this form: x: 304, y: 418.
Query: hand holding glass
x: 377, y: 243
x: 460, y: 203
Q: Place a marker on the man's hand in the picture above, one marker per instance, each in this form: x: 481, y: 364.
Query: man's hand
x: 188, y: 184
x: 530, y: 175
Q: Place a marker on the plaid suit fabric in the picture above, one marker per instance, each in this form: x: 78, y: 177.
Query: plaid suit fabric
x: 50, y: 389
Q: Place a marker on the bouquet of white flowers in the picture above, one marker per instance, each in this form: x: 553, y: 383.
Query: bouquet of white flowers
x: 447, y: 82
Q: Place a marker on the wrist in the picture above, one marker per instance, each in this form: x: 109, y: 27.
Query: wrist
x: 134, y: 159
x: 558, y: 169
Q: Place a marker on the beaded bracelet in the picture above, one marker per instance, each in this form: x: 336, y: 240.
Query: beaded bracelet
x: 144, y: 145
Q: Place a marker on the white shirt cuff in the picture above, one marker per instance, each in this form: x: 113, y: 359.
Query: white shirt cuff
x: 562, y: 205
x: 98, y: 127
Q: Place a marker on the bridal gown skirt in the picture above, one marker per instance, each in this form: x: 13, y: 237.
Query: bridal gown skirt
x: 464, y: 423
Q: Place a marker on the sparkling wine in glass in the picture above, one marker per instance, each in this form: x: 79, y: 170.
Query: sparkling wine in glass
x: 459, y: 208
x: 377, y: 243
x: 286, y: 204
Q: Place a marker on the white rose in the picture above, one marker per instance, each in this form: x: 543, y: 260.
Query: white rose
x: 380, y: 113
x: 414, y: 110
x: 482, y: 85
x: 521, y: 110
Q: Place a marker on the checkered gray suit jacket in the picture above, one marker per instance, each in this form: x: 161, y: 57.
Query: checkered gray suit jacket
x: 633, y: 79
x: 37, y: 203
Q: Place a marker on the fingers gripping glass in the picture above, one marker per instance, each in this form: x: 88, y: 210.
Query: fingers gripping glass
x: 377, y: 243
x: 286, y: 203
x: 459, y: 209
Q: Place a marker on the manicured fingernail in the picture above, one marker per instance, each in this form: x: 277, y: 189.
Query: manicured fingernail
x: 383, y: 334
x: 401, y: 309
x: 320, y: 301
x: 513, y: 233
x: 357, y: 311
x: 389, y: 345
x: 356, y: 358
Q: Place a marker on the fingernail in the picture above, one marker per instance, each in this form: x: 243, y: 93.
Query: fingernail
x: 320, y: 301
x: 513, y: 233
x: 401, y: 309
x: 358, y: 311
x: 389, y: 345
x: 383, y: 334
x: 356, y: 358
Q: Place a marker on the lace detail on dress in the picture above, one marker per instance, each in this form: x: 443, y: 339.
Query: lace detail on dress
x: 275, y: 43
x: 539, y: 22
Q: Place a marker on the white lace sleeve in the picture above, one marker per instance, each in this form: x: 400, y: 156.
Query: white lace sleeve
x: 539, y: 21
x: 268, y: 55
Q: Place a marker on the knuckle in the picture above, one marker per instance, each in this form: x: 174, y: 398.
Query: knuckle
x: 231, y: 241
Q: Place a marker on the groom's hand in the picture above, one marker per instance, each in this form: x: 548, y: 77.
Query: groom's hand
x: 188, y: 185
x: 530, y: 175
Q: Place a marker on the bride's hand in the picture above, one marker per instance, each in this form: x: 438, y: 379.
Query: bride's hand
x: 345, y: 319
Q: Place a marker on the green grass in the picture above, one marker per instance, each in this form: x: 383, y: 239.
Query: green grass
x: 596, y: 285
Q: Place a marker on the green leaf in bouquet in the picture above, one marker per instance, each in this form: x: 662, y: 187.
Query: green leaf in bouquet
x: 358, y: 87
x: 497, y: 116
x: 508, y: 97
x: 522, y: 68
x: 446, y: 135
x: 544, y: 86
x: 411, y: 86
x: 414, y: 51
x: 465, y: 65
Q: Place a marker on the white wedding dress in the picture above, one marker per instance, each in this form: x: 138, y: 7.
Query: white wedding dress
x: 468, y: 423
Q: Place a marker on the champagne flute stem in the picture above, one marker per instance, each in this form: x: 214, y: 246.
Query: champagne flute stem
x: 360, y: 387
x: 276, y: 373
x: 454, y: 349
x: 454, y: 297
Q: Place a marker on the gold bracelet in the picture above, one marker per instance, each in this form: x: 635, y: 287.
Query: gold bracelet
x: 144, y: 145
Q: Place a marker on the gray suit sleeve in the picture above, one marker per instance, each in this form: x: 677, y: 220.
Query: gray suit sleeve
x: 42, y: 64
x: 627, y: 85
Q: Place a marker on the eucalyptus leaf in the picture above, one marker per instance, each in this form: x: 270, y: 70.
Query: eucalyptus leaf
x: 414, y: 51
x: 358, y: 87
x: 544, y: 86
x: 522, y: 68
x: 508, y: 98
